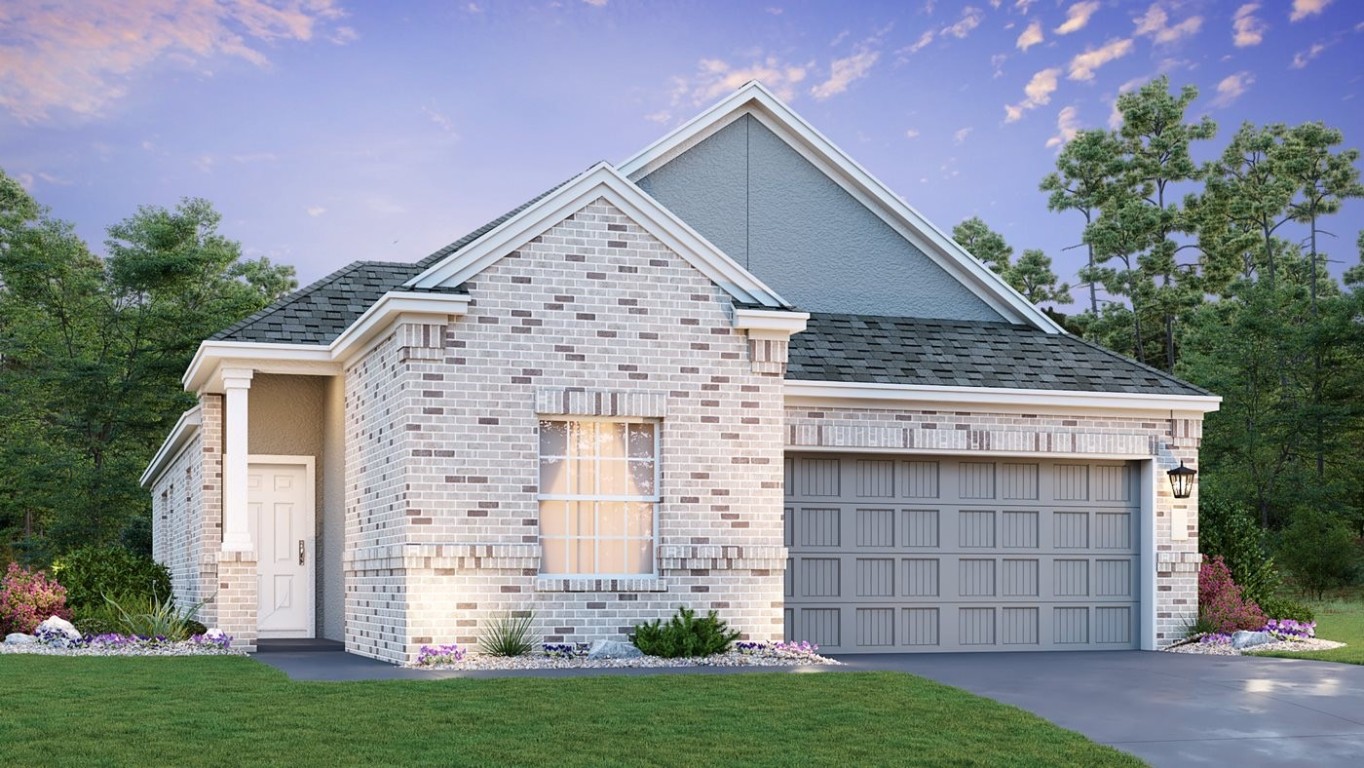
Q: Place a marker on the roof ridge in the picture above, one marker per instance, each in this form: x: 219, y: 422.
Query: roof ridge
x: 287, y: 300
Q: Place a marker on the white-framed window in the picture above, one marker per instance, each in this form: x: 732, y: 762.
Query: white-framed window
x: 598, y: 496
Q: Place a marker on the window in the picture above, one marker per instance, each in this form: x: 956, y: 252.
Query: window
x: 598, y: 497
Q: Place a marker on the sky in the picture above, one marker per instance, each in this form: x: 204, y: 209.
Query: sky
x: 328, y: 131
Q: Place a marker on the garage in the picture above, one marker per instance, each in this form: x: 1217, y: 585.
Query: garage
x: 906, y: 553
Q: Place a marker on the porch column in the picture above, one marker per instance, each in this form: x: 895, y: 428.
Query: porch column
x: 236, y: 533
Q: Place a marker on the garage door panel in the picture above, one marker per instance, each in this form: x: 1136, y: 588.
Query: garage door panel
x: 966, y: 573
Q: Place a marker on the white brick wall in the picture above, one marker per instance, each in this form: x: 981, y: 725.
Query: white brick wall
x: 444, y: 447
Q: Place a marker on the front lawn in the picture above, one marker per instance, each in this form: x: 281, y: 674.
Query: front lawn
x: 216, y: 711
x: 1341, y: 620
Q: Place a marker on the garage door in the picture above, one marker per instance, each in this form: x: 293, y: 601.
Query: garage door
x: 908, y: 553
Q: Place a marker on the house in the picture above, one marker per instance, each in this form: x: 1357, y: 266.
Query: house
x: 735, y: 372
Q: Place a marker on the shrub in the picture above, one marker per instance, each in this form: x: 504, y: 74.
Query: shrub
x: 27, y: 598
x: 89, y: 573
x: 684, y: 635
x: 508, y: 635
x: 152, y: 617
x: 1229, y: 530
x: 1319, y: 550
x: 1221, y: 607
x: 1282, y: 608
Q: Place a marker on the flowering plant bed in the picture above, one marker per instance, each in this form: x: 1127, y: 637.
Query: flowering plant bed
x: 575, y: 656
x: 112, y: 644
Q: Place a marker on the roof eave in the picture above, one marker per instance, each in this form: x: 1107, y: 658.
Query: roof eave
x: 859, y: 394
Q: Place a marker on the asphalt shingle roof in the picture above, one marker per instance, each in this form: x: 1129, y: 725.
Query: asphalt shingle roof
x: 318, y: 313
x: 904, y: 350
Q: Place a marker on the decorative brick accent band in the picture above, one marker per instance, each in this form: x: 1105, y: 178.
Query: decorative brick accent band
x: 802, y: 433
x: 768, y: 355
x: 577, y: 401
x: 420, y: 341
x: 561, y: 584
x: 459, y: 557
x: 719, y: 558
x: 1178, y: 562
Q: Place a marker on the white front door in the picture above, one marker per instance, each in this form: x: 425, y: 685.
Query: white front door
x: 281, y: 516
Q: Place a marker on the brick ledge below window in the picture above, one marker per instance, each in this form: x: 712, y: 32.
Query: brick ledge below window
x: 587, y: 584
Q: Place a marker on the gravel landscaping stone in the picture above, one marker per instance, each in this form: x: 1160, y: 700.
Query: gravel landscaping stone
x: 162, y: 649
x: 475, y: 661
x: 1226, y: 649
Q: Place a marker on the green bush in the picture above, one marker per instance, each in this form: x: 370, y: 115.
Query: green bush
x: 1228, y: 529
x: 684, y: 635
x: 152, y: 617
x: 90, y: 573
x: 508, y: 635
x: 97, y: 620
x: 1320, y: 551
x: 1282, y: 608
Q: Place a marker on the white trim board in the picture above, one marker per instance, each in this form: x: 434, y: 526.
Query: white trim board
x: 860, y: 395
x: 601, y: 181
x: 186, y: 427
x: 754, y: 99
x: 205, y: 370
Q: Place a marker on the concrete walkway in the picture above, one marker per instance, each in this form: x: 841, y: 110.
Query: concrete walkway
x: 1169, y: 709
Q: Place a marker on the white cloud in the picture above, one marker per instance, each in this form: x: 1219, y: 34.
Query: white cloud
x: 911, y: 134
x: 1077, y: 16
x: 716, y: 77
x: 1304, y: 8
x: 1030, y: 36
x: 1231, y: 87
x: 439, y: 119
x: 1155, y: 23
x: 80, y: 56
x: 1022, y: 5
x: 970, y: 19
x: 997, y: 63
x: 1067, y: 125
x: 1082, y: 67
x: 316, y: 210
x: 205, y: 163
x: 1037, y: 92
x: 960, y: 136
x: 845, y: 71
x: 596, y: 3
x: 1246, y: 28
x: 1302, y: 58
x: 918, y: 45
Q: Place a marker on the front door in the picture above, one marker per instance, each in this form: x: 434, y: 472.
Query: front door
x: 280, y: 502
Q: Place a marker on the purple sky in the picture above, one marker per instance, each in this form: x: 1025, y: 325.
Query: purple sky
x: 327, y: 131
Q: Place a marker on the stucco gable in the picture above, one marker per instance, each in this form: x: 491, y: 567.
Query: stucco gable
x: 754, y: 102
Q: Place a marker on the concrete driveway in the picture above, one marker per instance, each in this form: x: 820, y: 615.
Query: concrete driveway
x: 1171, y: 709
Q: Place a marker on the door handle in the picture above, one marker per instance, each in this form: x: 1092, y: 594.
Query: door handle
x: 301, y: 550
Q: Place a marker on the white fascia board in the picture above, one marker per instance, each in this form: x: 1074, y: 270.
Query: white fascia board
x: 432, y: 307
x: 205, y: 371
x: 601, y: 181
x: 826, y: 393
x: 185, y: 428
x: 770, y: 321
x: 756, y: 100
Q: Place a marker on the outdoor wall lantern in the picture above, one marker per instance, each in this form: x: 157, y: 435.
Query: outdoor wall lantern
x: 1181, y: 480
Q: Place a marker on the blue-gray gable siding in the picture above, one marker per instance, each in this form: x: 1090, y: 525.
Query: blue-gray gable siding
x: 774, y: 212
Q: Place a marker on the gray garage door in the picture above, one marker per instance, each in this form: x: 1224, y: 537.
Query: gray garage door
x: 909, y: 553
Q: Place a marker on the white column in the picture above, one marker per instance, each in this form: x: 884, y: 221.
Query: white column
x: 236, y: 532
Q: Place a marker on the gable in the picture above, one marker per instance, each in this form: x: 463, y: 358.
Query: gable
x: 783, y: 219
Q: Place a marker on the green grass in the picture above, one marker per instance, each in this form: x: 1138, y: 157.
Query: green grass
x: 1342, y: 620
x: 216, y: 711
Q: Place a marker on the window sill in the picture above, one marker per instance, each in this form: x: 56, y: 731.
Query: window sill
x: 593, y: 584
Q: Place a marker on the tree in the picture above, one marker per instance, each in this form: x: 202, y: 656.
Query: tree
x: 1083, y: 170
x: 985, y: 244
x: 1246, y: 202
x: 1155, y: 151
x: 1033, y: 278
x: 93, y: 349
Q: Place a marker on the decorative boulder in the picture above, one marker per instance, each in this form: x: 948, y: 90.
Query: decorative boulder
x: 1243, y: 639
x: 57, y: 631
x: 19, y: 638
x: 613, y: 649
